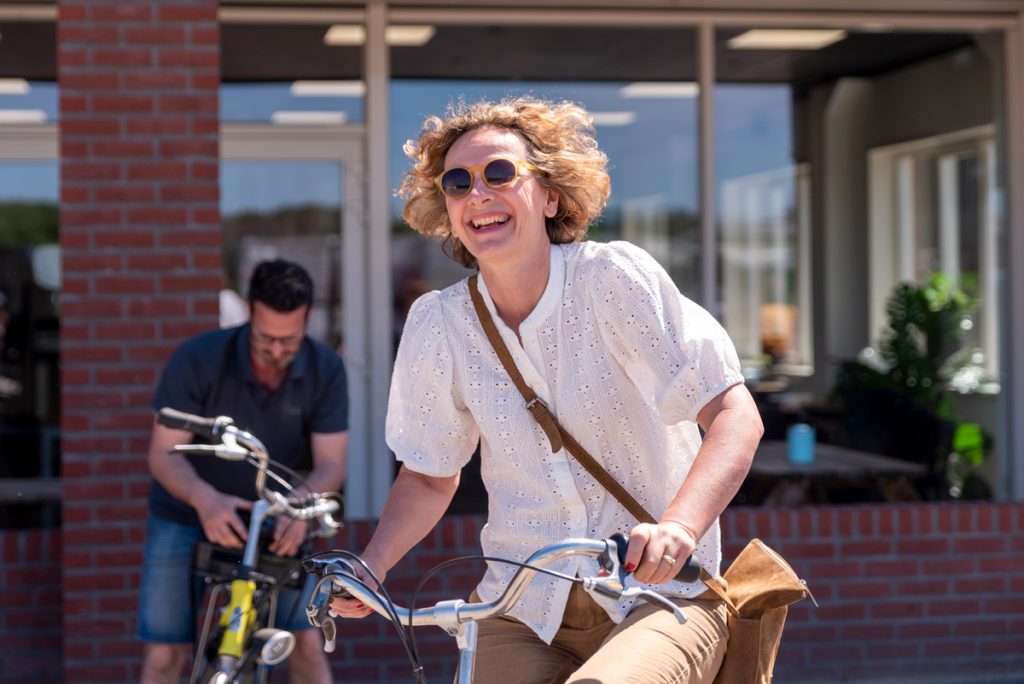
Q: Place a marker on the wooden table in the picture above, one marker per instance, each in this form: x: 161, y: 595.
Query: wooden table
x: 774, y: 480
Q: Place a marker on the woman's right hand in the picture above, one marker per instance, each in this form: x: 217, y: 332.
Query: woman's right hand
x: 353, y: 607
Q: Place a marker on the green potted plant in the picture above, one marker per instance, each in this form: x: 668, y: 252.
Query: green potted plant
x: 896, y: 398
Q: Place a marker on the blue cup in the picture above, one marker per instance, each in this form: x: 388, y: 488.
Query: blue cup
x: 800, y: 440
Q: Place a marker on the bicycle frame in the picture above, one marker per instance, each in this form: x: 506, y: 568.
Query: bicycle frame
x: 239, y: 617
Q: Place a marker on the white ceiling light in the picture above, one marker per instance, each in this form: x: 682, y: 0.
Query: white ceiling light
x: 409, y: 35
x: 14, y: 86
x: 786, y: 39
x: 328, y: 89
x: 402, y: 35
x: 345, y: 34
x: 655, y: 90
x: 19, y: 116
x: 613, y: 118
x: 309, y: 118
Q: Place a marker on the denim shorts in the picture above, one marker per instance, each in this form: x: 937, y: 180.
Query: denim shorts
x: 169, y: 593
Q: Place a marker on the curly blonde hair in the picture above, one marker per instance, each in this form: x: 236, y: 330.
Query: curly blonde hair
x: 559, y: 139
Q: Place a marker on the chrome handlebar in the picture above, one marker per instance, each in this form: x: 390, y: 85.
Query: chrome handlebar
x: 338, y: 578
x: 239, y: 445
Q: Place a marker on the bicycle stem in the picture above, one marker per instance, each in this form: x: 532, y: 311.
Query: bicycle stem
x: 259, y: 514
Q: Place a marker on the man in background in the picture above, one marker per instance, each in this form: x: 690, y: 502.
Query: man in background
x: 288, y: 390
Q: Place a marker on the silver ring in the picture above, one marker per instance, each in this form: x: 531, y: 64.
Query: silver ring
x: 668, y: 559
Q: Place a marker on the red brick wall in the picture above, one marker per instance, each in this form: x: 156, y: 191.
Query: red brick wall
x: 30, y: 603
x: 909, y: 589
x: 141, y: 247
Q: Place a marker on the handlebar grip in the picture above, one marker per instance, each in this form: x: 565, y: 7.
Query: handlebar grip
x: 688, y: 573
x: 211, y: 428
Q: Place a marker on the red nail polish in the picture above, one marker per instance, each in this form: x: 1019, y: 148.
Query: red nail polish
x: 630, y: 567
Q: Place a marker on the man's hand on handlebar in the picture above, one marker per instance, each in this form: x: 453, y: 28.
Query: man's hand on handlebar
x: 218, y: 514
x: 288, y: 536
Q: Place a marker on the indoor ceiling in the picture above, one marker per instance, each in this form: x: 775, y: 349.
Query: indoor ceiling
x: 284, y: 52
x: 560, y: 53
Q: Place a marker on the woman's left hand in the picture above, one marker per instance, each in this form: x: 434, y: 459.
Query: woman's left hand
x: 656, y: 552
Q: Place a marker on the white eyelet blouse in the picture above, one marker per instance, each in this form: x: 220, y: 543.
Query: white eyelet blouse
x: 621, y: 358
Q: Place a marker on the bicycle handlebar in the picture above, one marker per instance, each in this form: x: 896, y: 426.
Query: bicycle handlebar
x: 238, y: 445
x: 211, y: 428
x: 338, y: 578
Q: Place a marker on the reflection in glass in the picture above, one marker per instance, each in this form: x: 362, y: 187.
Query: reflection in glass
x: 761, y: 225
x: 289, y: 210
x: 29, y: 299
x: 288, y: 73
x: 294, y: 102
x: 27, y: 102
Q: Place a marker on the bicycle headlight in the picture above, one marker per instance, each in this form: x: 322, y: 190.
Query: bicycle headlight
x: 274, y: 645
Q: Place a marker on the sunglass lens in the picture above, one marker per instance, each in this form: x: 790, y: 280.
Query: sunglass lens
x: 499, y: 172
x: 456, y: 182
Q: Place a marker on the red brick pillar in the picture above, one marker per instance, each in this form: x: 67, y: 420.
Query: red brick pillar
x: 141, y: 241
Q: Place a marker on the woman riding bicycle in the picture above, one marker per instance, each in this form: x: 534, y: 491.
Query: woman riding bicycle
x: 628, y: 365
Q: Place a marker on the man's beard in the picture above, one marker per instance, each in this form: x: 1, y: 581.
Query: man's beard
x: 275, y: 364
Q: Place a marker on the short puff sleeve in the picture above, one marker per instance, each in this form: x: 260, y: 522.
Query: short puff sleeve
x: 676, y: 353
x: 428, y: 425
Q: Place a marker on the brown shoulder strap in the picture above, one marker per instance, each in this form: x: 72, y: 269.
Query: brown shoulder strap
x: 556, y: 434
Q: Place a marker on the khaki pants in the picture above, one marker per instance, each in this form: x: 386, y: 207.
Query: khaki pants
x: 649, y: 647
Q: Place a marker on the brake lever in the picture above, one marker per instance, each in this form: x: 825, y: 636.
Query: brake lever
x: 328, y: 526
x: 229, y: 452
x: 656, y: 600
x: 317, y: 612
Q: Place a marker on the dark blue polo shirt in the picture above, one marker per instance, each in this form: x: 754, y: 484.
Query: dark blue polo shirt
x: 211, y: 375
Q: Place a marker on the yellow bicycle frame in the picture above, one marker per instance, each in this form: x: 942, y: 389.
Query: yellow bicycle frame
x: 237, y: 618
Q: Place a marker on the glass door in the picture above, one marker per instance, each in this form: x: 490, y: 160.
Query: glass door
x: 296, y: 192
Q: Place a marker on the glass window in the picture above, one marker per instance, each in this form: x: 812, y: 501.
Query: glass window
x: 29, y: 276
x: 764, y: 231
x: 27, y: 102
x: 937, y: 214
x: 848, y: 162
x: 29, y: 316
x: 289, y: 210
x: 290, y: 74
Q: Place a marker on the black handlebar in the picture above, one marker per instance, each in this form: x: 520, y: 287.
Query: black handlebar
x: 690, y: 572
x: 211, y: 428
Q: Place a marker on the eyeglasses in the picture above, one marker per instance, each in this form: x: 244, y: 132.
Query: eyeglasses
x: 497, y: 173
x: 269, y: 340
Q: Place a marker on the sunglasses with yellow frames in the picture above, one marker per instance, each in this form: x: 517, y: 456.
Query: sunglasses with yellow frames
x: 497, y: 173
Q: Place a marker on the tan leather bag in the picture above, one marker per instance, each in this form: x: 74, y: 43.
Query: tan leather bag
x: 761, y: 586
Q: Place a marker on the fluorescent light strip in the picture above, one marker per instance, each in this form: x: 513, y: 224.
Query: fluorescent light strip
x: 409, y: 35
x: 786, y: 39
x: 309, y: 118
x: 400, y: 35
x: 19, y: 116
x: 328, y: 89
x: 654, y: 90
x: 613, y: 118
x: 14, y: 86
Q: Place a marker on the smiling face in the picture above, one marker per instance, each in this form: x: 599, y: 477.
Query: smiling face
x: 506, y: 224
